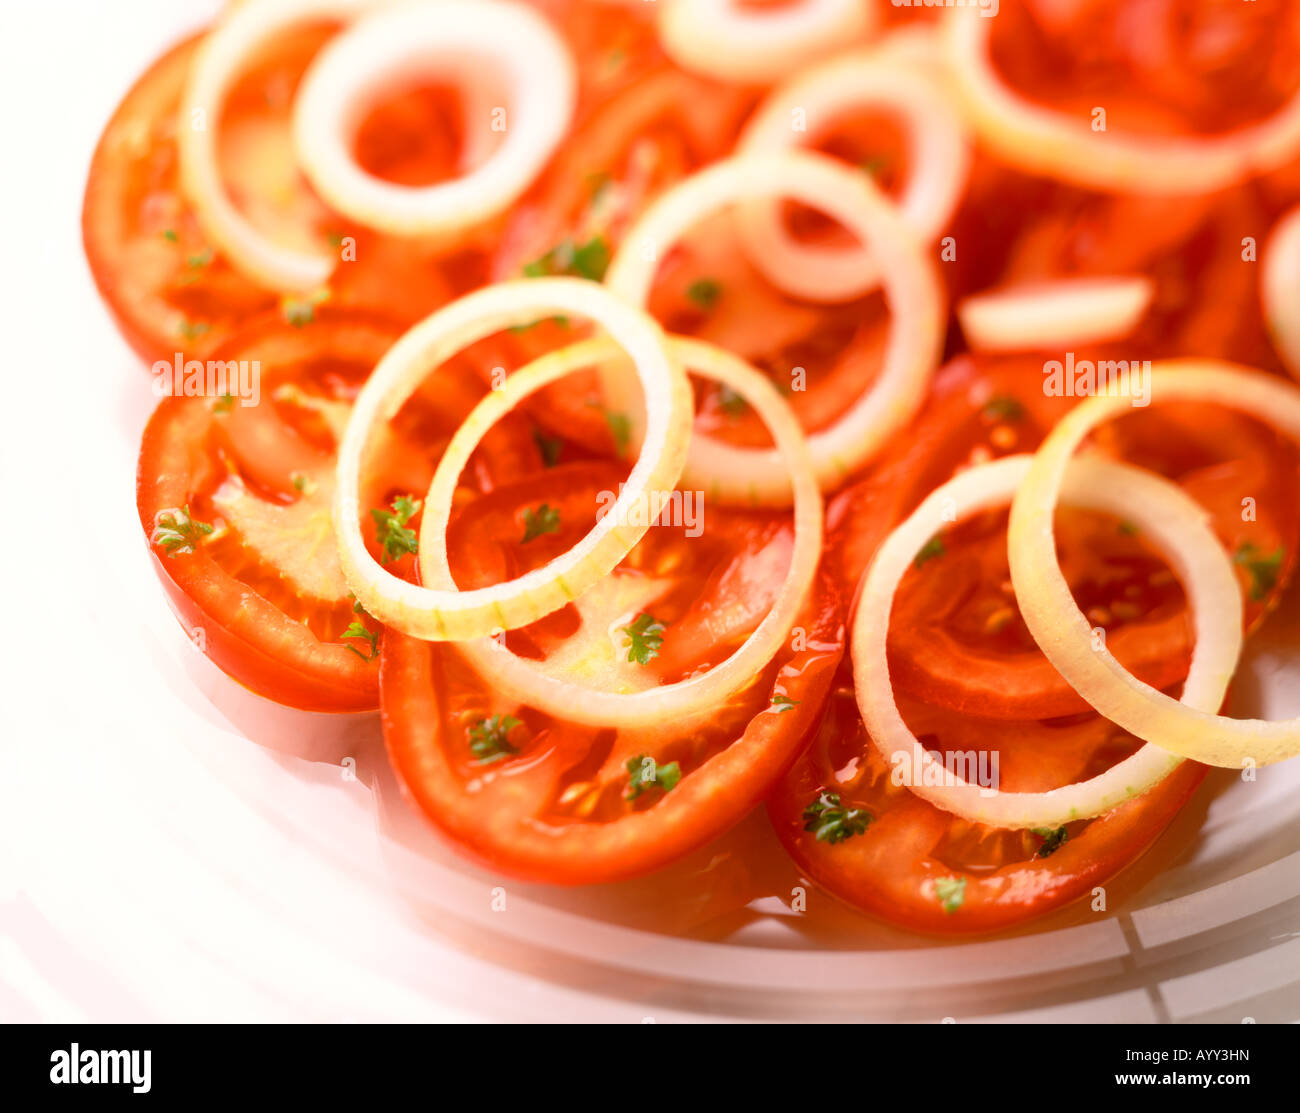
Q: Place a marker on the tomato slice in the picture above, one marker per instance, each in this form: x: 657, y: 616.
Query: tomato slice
x: 166, y: 286
x: 927, y: 870
x: 958, y: 640
x: 262, y: 593
x: 556, y: 803
x: 970, y: 678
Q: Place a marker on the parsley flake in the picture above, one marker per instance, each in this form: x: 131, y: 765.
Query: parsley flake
x: 545, y: 519
x: 931, y: 549
x: 175, y: 532
x: 1264, y: 568
x: 1052, y: 840
x: 645, y: 636
x: 951, y: 892
x: 395, y: 540
x: 833, y: 822
x: 704, y: 292
x: 357, y: 630
x: 589, y: 260
x: 645, y: 775
x: 488, y: 738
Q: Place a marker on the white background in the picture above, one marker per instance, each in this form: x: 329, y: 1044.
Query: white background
x: 173, y: 848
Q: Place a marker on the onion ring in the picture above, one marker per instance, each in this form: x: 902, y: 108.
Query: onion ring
x: 720, y: 39
x: 1175, y: 523
x: 1045, y: 142
x: 1280, y: 289
x: 395, y: 45
x: 240, y: 34
x: 1059, y: 313
x: 522, y: 679
x: 937, y: 139
x: 911, y: 287
x: 1054, y: 619
x: 451, y: 615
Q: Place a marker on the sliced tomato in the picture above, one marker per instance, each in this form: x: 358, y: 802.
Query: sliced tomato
x: 929, y: 871
x: 624, y: 151
x: 255, y: 578
x: 165, y: 284
x: 957, y: 638
x: 558, y: 805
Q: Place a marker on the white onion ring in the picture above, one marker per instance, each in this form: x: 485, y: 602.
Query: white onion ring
x: 1062, y: 632
x: 520, y: 678
x: 1057, y: 313
x: 452, y: 615
x: 1046, y: 142
x: 911, y: 287
x: 1167, y: 516
x: 242, y: 32
x: 1280, y: 289
x: 392, y: 48
x: 940, y: 152
x: 720, y: 39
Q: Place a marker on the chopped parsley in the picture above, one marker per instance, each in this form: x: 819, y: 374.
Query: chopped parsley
x: 951, y: 892
x: 357, y: 630
x: 783, y: 703
x: 589, y: 260
x: 1264, y: 568
x: 645, y: 636
x: 1052, y: 840
x: 731, y: 402
x: 395, y: 540
x: 1128, y: 529
x: 192, y: 330
x: 931, y: 549
x: 620, y: 428
x: 224, y: 404
x: 644, y: 774
x: 833, y: 822
x: 549, y: 447
x: 545, y: 519
x: 1003, y: 408
x: 199, y: 259
x: 169, y: 234
x: 704, y: 292
x: 175, y: 532
x: 488, y: 738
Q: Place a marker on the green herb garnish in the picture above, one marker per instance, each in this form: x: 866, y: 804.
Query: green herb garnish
x: 645, y: 636
x: 833, y: 822
x: 488, y: 738
x: 175, y: 532
x: 395, y: 540
x: 545, y: 519
x: 645, y: 775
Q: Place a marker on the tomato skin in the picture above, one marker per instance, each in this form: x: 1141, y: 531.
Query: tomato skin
x: 890, y: 871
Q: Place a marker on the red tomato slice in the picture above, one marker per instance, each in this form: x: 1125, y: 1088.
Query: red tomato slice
x: 555, y: 806
x: 959, y: 654
x: 262, y: 592
x: 166, y: 286
x: 957, y: 639
x: 929, y: 871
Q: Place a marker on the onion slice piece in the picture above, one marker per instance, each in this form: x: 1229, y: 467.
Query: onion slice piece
x: 726, y: 40
x: 937, y: 143
x: 451, y: 615
x: 911, y: 287
x: 531, y: 683
x: 1176, y: 524
x: 1280, y: 289
x: 242, y: 33
x: 1061, y: 312
x: 394, y: 47
x: 1046, y: 142
x: 1064, y: 634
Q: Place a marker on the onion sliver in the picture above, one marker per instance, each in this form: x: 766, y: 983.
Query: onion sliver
x: 1053, y: 314
x: 911, y: 287
x: 1167, y: 516
x: 393, y: 48
x: 1047, y: 142
x: 1280, y: 289
x: 937, y: 143
x: 723, y: 39
x: 1063, y: 633
x: 218, y: 62
x: 531, y: 684
x: 452, y: 615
